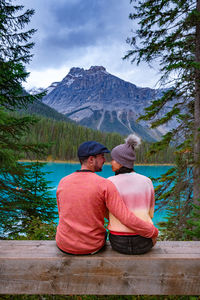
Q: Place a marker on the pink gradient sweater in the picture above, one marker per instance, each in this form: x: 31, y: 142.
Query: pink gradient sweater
x: 137, y: 192
x: 83, y: 199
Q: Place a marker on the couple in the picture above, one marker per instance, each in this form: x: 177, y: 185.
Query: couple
x: 126, y: 199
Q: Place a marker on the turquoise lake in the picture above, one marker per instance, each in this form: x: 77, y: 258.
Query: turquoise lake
x: 59, y: 170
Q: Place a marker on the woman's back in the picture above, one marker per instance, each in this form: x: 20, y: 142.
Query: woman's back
x: 137, y: 193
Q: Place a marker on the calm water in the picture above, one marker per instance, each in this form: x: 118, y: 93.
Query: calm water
x: 59, y: 170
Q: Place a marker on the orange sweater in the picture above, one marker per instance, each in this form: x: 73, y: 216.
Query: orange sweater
x: 83, y: 199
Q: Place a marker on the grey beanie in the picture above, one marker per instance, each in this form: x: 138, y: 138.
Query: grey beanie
x: 124, y: 154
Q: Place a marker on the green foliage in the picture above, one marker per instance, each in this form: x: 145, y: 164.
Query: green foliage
x: 39, y: 230
x: 28, y: 199
x: 165, y: 31
x: 65, y: 138
x: 174, y: 195
x: 194, y: 222
x: 40, y: 109
x: 14, y: 52
x: 169, y: 33
x: 22, y: 198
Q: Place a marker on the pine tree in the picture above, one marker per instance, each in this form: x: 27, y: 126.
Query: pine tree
x: 31, y: 200
x: 194, y: 223
x: 14, y: 54
x: 169, y: 32
x: 175, y: 195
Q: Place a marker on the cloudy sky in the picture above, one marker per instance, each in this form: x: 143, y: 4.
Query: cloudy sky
x: 82, y: 33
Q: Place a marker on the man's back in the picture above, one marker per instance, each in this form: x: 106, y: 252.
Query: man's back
x: 81, y: 203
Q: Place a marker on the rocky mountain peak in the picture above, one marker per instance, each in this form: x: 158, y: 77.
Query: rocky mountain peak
x: 96, y: 69
x: 76, y: 72
x: 79, y: 72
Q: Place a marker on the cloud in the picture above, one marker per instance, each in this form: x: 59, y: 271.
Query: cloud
x: 80, y: 33
x: 66, y: 26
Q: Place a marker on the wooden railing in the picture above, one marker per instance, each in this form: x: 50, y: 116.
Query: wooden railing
x: 38, y: 267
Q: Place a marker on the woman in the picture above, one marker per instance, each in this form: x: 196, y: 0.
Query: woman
x: 138, y: 194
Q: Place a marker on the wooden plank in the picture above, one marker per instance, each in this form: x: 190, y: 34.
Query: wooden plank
x: 38, y: 267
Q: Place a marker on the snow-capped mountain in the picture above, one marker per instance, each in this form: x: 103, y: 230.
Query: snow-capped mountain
x: 102, y: 101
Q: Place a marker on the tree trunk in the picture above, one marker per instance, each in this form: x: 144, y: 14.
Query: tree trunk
x: 196, y: 174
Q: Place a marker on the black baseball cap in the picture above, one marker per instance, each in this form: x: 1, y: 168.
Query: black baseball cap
x: 91, y: 148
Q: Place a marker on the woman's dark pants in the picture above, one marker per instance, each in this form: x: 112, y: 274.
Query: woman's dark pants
x: 130, y: 244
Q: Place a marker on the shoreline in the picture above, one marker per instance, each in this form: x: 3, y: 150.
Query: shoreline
x: 107, y: 163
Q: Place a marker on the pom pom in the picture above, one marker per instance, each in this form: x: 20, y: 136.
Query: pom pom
x: 133, y: 140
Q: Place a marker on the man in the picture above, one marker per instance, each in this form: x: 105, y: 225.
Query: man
x: 84, y: 199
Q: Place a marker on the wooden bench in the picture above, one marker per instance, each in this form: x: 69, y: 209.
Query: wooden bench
x: 38, y: 267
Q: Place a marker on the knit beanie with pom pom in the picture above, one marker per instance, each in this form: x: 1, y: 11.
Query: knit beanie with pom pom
x: 124, y: 154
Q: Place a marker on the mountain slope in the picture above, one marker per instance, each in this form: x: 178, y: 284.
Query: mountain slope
x: 41, y: 109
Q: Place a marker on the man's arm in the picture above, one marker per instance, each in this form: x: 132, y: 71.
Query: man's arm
x: 151, y: 211
x: 152, y: 206
x: 117, y: 207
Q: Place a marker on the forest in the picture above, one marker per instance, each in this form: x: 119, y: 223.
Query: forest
x: 64, y: 139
